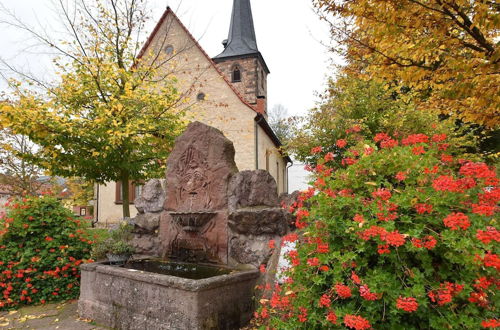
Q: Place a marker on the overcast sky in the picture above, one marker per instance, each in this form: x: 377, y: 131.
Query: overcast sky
x: 289, y: 36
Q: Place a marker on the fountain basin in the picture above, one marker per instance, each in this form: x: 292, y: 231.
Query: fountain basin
x: 192, y: 221
x: 127, y: 298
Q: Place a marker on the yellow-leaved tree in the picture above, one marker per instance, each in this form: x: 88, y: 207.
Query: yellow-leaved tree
x: 108, y: 115
x: 447, y: 51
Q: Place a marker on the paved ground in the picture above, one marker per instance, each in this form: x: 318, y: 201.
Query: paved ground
x: 61, y: 316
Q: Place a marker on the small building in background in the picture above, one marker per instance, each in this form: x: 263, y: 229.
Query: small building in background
x: 4, y: 197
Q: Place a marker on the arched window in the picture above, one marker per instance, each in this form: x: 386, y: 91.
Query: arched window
x: 236, y: 76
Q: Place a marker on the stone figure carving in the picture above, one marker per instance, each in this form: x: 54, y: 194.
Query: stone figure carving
x: 194, y: 186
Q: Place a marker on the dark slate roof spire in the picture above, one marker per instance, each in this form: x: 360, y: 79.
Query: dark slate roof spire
x: 241, y: 39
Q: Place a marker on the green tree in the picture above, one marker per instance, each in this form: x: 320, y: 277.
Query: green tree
x: 18, y: 175
x: 447, y: 51
x: 280, y: 123
x: 81, y: 190
x: 372, y: 106
x: 110, y: 115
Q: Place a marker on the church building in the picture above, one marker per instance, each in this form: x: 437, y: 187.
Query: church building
x: 228, y: 91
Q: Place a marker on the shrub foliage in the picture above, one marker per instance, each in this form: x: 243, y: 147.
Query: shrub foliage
x: 396, y: 234
x: 41, y: 248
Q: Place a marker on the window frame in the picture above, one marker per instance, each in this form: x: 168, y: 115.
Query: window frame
x: 235, y: 69
x: 132, y: 193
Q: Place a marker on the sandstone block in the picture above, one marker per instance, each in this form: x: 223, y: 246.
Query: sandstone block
x: 252, y: 188
x: 152, y: 198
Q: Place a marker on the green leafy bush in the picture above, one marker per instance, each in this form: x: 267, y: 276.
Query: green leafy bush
x: 117, y: 243
x: 369, y: 107
x: 41, y: 248
x: 398, y: 234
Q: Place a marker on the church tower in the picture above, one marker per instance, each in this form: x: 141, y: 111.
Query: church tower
x: 241, y: 62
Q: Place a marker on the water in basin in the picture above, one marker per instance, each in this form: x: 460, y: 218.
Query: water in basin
x: 178, y: 269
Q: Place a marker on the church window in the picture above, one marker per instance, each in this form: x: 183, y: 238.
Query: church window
x: 201, y: 97
x: 169, y: 49
x: 236, y: 74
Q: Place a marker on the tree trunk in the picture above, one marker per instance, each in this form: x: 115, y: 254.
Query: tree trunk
x: 125, y: 195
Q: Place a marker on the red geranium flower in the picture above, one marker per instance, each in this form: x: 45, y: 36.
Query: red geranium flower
x: 382, y: 194
x: 359, y: 218
x: 393, y: 238
x: 322, y: 248
x: 316, y: 150
x: 364, y: 292
x: 343, y: 291
x: 488, y: 235
x: 356, y: 322
x: 484, y: 209
x: 325, y: 301
x: 492, y: 323
x: 387, y: 144
x: 313, y: 262
x: 414, y: 139
x: 381, y: 137
x: 438, y: 137
x: 383, y: 249
x: 331, y: 317
x: 419, y: 150
x: 341, y: 143
x: 457, y: 220
x: 400, y: 176
x: 423, y: 208
x: 329, y: 157
x: 303, y: 314
x: 408, y: 304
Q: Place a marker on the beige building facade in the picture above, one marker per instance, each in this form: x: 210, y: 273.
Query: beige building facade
x: 226, y: 92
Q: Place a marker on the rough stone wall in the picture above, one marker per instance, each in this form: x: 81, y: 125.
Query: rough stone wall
x: 255, y: 218
x: 147, y: 222
x: 253, y: 77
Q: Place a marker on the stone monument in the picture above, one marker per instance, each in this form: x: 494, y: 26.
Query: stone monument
x: 205, y: 230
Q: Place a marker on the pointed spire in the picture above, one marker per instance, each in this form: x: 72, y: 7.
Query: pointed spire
x: 241, y: 39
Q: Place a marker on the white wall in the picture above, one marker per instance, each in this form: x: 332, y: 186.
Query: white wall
x: 3, y: 200
x: 298, y: 178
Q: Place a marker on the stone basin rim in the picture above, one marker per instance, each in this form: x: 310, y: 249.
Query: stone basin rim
x: 172, y: 281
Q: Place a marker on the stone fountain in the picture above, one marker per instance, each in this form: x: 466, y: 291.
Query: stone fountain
x: 201, y: 236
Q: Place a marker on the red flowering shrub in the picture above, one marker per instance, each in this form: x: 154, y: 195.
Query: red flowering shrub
x: 394, y: 238
x: 41, y: 248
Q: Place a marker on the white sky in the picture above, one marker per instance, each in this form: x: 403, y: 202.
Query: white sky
x: 289, y: 36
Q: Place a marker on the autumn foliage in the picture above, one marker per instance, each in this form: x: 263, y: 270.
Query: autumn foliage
x: 447, y: 52
x: 41, y: 248
x: 399, y: 233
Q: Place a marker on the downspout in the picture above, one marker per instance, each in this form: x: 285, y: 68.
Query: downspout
x: 257, y: 119
x: 96, y: 208
x: 290, y: 164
